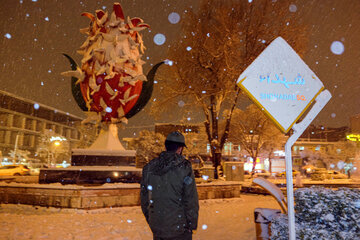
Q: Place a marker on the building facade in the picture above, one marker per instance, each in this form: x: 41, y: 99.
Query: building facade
x: 23, y: 121
x: 355, y: 123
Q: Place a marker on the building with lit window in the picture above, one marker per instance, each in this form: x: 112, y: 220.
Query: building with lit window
x: 23, y: 121
x: 314, y: 138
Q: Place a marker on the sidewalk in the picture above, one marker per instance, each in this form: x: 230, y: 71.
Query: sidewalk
x: 224, y: 219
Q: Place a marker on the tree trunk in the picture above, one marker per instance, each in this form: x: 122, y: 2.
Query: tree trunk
x: 212, y: 129
x: 254, y: 165
x: 217, y: 163
x: 270, y: 161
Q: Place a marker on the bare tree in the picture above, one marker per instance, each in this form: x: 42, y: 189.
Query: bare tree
x: 273, y: 140
x: 255, y: 132
x: 88, y: 134
x: 148, y: 146
x: 52, y: 147
x: 196, y: 144
x: 218, y: 42
x: 19, y: 155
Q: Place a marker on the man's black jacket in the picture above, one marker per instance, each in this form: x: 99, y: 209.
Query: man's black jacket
x: 169, y: 199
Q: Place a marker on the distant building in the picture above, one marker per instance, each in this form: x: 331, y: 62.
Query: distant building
x: 22, y: 122
x: 324, y: 134
x: 229, y: 151
x: 318, y: 137
x: 355, y: 123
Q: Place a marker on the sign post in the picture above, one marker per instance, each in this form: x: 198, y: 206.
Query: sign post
x: 284, y: 87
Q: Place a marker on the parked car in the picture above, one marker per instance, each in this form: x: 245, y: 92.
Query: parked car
x: 261, y: 173
x: 247, y: 174
x: 283, y: 173
x: 14, y: 170
x: 331, y: 174
x: 319, y: 174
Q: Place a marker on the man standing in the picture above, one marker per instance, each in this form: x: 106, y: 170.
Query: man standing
x: 169, y: 199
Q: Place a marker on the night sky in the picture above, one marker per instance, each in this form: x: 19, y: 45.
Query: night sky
x: 34, y: 34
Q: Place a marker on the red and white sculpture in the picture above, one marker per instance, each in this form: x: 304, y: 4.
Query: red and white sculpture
x: 111, y: 74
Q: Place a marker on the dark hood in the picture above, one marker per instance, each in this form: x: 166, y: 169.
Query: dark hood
x: 166, y: 162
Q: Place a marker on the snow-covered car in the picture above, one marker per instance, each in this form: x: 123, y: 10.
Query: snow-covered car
x: 261, y: 173
x: 14, y: 170
x: 247, y: 175
x: 283, y: 173
x: 331, y: 174
x: 34, y: 171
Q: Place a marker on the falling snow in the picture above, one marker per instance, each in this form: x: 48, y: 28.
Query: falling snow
x: 205, y: 177
x: 292, y: 8
x: 169, y: 62
x: 340, y: 165
x: 32, y: 38
x: 337, y: 47
x: 174, y: 18
x: 159, y: 39
x: 181, y: 103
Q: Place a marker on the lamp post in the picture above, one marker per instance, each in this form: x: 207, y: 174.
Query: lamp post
x: 55, y: 143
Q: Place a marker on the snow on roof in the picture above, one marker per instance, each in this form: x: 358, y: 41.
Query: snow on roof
x: 40, y: 104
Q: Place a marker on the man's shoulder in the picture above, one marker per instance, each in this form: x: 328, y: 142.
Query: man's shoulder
x: 151, y: 163
x: 187, y: 163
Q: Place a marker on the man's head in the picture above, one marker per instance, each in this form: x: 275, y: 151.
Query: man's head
x: 175, y: 142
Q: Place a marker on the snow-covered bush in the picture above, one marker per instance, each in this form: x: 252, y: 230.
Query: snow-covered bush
x: 322, y: 214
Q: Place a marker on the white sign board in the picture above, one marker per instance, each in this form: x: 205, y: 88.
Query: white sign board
x: 281, y: 84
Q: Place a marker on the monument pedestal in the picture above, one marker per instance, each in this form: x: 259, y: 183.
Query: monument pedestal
x: 106, y: 161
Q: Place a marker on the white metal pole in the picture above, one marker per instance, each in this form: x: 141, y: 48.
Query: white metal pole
x: 290, y: 190
x: 320, y: 102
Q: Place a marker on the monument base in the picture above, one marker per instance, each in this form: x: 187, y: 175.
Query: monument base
x: 106, y: 161
x: 95, y: 157
x: 90, y: 175
x: 93, y: 197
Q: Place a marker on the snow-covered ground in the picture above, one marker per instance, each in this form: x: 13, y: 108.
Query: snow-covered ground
x: 219, y: 219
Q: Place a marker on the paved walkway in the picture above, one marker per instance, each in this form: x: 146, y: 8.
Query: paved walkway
x: 218, y: 219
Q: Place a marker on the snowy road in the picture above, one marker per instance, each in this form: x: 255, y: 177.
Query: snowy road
x: 219, y: 219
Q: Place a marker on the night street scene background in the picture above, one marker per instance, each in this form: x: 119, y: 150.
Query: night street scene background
x: 73, y: 141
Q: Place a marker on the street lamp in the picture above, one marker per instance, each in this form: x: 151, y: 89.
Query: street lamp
x: 57, y: 142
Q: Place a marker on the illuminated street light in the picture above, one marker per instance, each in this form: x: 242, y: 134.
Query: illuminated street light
x: 57, y: 143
